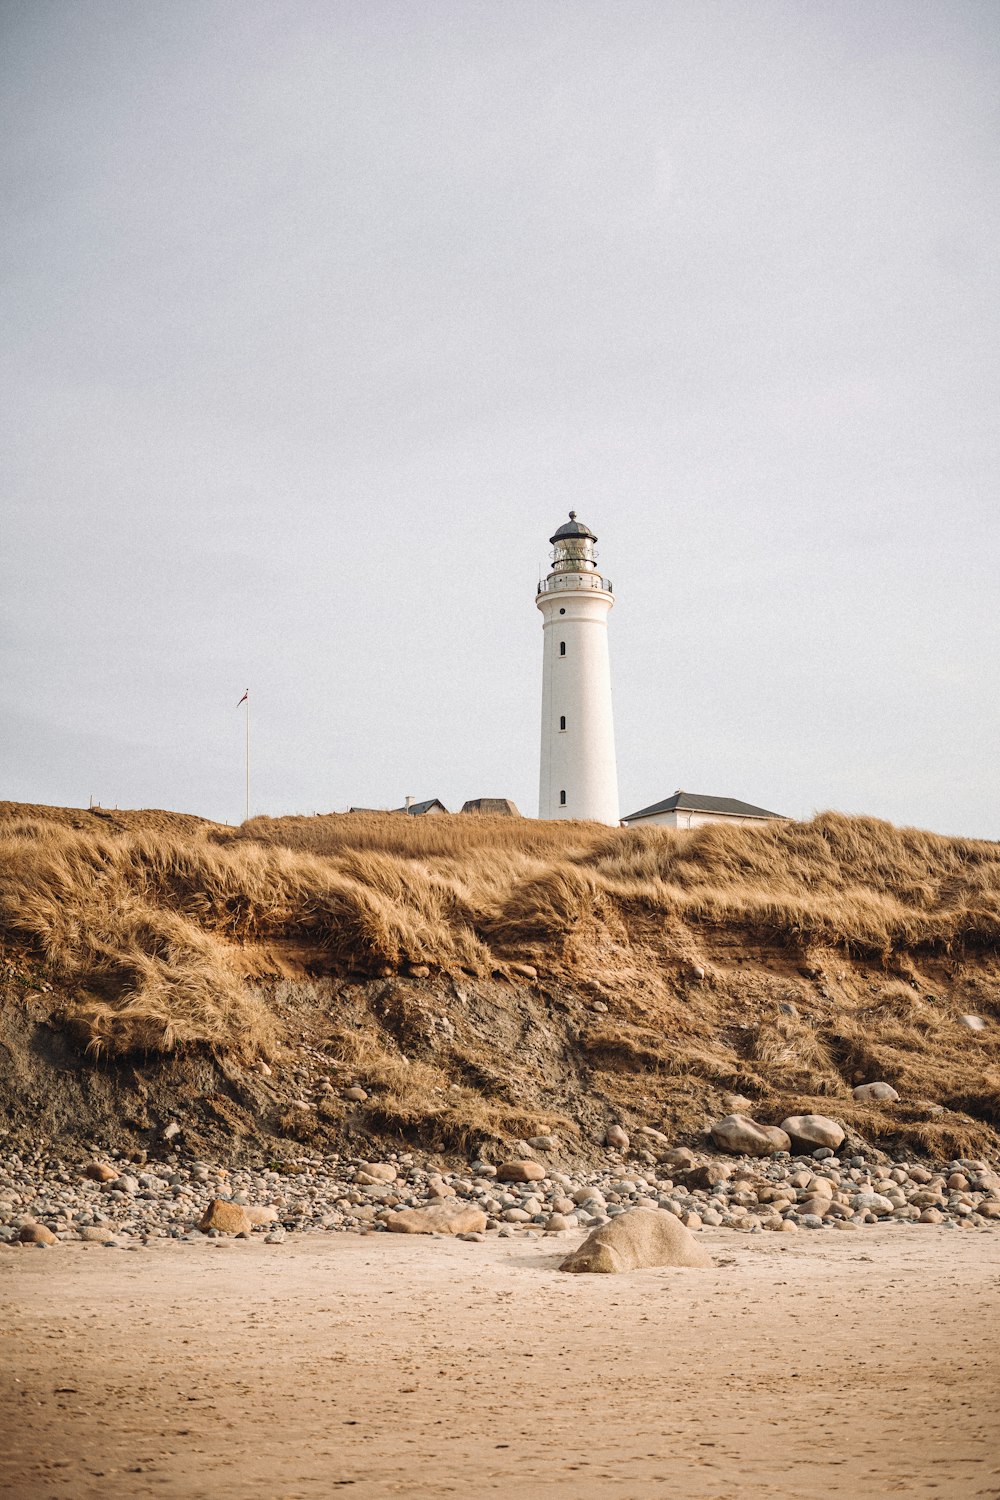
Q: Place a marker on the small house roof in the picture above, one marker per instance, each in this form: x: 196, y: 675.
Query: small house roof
x: 696, y: 802
x: 415, y: 808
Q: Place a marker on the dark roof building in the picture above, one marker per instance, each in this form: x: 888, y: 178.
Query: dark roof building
x: 432, y: 805
x: 491, y: 807
x: 692, y: 809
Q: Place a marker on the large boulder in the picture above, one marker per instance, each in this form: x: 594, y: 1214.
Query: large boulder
x: 447, y: 1217
x: 36, y: 1234
x: 520, y: 1171
x: 225, y: 1218
x: 641, y: 1237
x: 881, y: 1092
x: 810, y: 1132
x: 745, y: 1137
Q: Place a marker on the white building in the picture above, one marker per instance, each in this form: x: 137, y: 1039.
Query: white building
x: 579, y: 776
x: 691, y: 810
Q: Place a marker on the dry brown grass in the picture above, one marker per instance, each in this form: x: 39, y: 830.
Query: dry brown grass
x: 154, y: 927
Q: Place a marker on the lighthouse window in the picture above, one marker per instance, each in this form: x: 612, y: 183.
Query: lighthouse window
x: 562, y: 611
x: 562, y: 721
x: 562, y: 648
x: 562, y: 799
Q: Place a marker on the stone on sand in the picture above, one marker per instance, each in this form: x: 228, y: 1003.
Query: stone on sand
x: 225, y: 1217
x: 641, y: 1237
x: 260, y: 1215
x: 448, y: 1217
x: 36, y: 1234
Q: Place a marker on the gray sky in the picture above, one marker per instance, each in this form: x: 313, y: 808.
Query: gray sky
x: 318, y: 317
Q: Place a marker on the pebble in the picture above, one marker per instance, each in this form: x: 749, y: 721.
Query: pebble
x: 124, y: 1205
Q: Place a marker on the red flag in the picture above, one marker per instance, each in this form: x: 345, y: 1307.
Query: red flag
x: 244, y: 698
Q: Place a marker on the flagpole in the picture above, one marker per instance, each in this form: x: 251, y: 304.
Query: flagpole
x: 248, y: 753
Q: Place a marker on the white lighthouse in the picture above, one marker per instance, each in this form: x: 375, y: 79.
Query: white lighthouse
x: 579, y: 777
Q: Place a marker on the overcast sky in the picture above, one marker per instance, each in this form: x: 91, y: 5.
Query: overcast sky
x: 319, y: 317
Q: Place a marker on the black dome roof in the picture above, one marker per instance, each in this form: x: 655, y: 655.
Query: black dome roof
x: 570, y: 528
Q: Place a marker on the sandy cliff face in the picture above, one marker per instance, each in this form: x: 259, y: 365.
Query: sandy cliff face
x: 481, y: 983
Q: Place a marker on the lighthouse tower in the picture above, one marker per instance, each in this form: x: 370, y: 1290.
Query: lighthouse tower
x: 579, y: 778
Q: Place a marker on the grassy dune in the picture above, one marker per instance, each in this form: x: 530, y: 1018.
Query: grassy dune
x: 155, y: 930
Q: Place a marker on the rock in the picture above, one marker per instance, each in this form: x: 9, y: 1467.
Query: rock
x: 641, y: 1237
x: 711, y: 1174
x: 355, y: 1095
x: 99, y: 1171
x: 556, y: 1222
x: 543, y: 1143
x: 516, y: 1216
x: 376, y: 1171
x: 448, y: 1217
x: 225, y: 1218
x: 520, y: 1171
x: 845, y: 1224
x: 679, y: 1157
x: 809, y: 1131
x: 820, y: 1187
x: 260, y: 1215
x: 276, y: 1237
x: 616, y: 1137
x: 524, y: 971
x: 170, y: 1131
x: 931, y: 1216
x: 563, y: 1205
x: 92, y: 1234
x: 974, y: 1023
x: 740, y: 1134
x: 36, y: 1234
x: 816, y: 1207
x: 883, y: 1092
x: 873, y: 1203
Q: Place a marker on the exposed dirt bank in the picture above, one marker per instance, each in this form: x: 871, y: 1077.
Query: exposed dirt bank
x: 380, y: 1366
x: 306, y: 985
